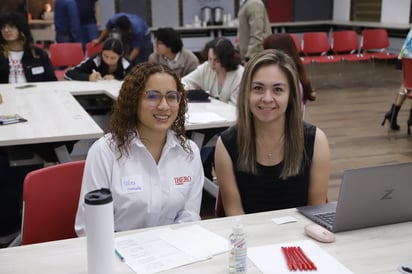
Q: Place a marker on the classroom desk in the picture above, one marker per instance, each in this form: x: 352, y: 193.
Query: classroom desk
x: 111, y: 89
x: 52, y: 129
x: 373, y: 250
x: 53, y: 116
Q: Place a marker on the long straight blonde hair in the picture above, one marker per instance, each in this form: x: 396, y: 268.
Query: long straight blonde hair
x: 294, y: 153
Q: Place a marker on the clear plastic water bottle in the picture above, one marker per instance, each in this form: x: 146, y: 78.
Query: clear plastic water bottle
x: 237, y: 249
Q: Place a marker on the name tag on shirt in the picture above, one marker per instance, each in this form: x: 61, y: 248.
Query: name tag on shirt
x: 37, y: 70
x: 132, y: 184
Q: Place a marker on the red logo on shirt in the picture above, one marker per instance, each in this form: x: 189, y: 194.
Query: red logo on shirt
x: 182, y: 180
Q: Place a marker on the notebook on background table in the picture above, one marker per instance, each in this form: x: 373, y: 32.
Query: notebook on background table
x: 369, y: 196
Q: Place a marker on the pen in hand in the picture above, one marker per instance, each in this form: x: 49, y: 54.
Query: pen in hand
x: 97, y: 74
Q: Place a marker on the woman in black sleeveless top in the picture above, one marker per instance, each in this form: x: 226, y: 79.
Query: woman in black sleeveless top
x: 271, y: 159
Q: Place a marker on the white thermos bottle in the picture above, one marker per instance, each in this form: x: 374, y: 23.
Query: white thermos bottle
x: 100, y: 232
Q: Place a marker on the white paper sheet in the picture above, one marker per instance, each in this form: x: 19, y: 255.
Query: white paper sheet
x: 164, y: 248
x: 270, y: 259
x: 197, y: 241
x: 146, y: 253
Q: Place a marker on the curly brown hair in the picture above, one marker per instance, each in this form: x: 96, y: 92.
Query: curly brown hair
x: 124, y: 118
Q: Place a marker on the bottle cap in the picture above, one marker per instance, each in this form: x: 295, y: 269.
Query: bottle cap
x: 238, y: 226
x: 98, y: 197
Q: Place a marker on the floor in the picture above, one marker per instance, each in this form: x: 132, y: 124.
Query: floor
x: 352, y: 99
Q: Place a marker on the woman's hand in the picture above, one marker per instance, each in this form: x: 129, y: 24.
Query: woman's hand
x: 108, y: 77
x: 94, y: 76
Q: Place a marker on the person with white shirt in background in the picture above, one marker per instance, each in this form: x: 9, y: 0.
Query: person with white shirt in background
x: 153, y: 171
x: 220, y: 75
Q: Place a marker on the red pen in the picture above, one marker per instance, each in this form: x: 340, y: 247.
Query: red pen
x: 289, y: 261
x: 304, y: 264
x: 312, y: 264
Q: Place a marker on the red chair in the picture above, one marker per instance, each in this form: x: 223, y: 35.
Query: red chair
x: 374, y: 44
x: 345, y: 44
x: 50, y: 201
x: 316, y: 46
x: 92, y: 49
x: 65, y: 55
x: 295, y: 37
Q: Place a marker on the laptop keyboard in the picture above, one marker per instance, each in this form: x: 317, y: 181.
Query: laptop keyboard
x: 328, y: 217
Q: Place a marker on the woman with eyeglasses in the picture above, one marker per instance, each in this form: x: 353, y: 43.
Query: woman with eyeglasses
x: 153, y: 171
x: 20, y: 60
x: 108, y: 64
x: 271, y: 159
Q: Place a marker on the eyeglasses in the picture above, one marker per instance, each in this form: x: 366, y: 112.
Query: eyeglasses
x: 154, y: 97
x: 8, y: 27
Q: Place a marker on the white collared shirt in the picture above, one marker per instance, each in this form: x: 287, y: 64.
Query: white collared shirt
x: 145, y: 194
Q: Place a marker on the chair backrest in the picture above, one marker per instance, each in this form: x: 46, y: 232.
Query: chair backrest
x: 296, y: 40
x: 50, y: 201
x: 92, y: 49
x: 345, y: 41
x: 374, y: 39
x: 66, y: 54
x: 315, y: 43
x: 407, y: 72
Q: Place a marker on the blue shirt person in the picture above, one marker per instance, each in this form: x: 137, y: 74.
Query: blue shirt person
x: 67, y: 21
x: 134, y: 33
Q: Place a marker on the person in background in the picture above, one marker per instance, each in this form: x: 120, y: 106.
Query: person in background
x: 270, y: 159
x: 134, y: 34
x: 392, y: 114
x: 253, y: 27
x: 46, y: 9
x: 109, y: 64
x: 20, y: 62
x: 90, y: 20
x: 141, y: 157
x: 285, y: 43
x: 170, y: 52
x: 67, y: 21
x: 220, y: 75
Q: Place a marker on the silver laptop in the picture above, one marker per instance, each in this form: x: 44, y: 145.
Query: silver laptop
x: 370, y: 196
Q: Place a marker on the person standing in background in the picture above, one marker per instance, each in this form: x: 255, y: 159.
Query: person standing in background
x: 67, y: 21
x: 134, y: 33
x: 253, y: 27
x: 402, y: 92
x: 90, y: 20
x: 170, y: 52
x: 46, y: 10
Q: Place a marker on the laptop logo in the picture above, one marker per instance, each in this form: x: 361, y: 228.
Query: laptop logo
x: 388, y: 194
